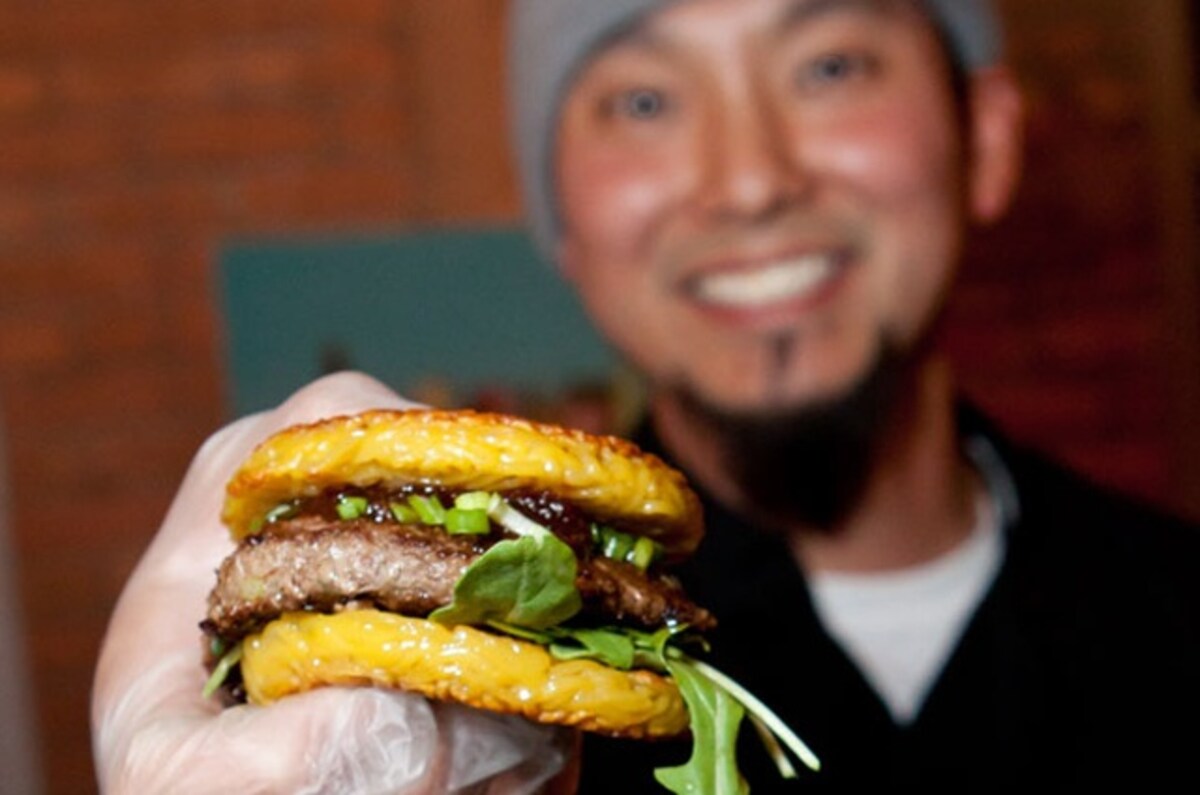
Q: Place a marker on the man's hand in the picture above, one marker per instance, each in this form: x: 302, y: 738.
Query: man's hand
x: 153, y: 732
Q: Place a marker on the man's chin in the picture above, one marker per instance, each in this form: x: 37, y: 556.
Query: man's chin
x: 805, y: 462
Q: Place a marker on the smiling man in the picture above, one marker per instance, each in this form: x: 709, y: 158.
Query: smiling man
x: 762, y: 203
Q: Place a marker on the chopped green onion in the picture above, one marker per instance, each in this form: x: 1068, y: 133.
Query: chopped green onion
x: 350, y: 507
x: 403, y: 514
x: 617, y: 545
x: 284, y: 510
x: 514, y: 521
x: 429, y: 509
x: 221, y: 671
x: 467, y: 521
x: 643, y: 553
x: 474, y: 500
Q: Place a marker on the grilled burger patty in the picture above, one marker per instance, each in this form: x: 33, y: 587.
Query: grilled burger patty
x: 321, y: 563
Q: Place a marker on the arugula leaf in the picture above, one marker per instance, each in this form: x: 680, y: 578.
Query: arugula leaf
x: 715, y: 719
x: 221, y: 671
x: 528, y: 582
x: 611, y: 648
x: 760, y: 712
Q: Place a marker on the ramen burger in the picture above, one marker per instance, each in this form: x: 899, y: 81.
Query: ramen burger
x: 508, y: 565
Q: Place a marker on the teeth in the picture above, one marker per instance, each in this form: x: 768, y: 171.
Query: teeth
x: 780, y: 281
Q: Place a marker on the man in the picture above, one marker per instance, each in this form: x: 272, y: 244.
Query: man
x: 762, y: 204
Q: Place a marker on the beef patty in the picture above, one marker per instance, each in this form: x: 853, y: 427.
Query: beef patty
x: 312, y: 563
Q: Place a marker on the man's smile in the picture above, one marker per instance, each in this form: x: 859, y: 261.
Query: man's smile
x: 787, y: 282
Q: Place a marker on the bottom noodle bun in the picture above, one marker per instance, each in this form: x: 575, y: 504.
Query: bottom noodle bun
x: 301, y: 651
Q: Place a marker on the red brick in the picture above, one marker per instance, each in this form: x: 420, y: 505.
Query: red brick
x: 224, y: 137
x: 68, y: 147
x: 359, y: 65
x: 234, y: 72
x: 24, y: 218
x: 350, y: 195
x: 32, y: 341
x: 22, y: 90
x: 140, y: 210
x: 62, y: 275
x: 54, y: 27
x: 373, y: 130
x: 116, y: 395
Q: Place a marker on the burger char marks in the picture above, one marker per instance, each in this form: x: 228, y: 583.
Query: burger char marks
x: 313, y: 563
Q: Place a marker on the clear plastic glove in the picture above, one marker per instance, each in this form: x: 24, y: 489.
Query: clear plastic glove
x: 153, y: 732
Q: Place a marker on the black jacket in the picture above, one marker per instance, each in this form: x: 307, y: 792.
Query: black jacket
x: 1081, y: 666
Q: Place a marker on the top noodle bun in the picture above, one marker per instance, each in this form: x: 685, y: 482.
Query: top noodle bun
x: 608, y: 478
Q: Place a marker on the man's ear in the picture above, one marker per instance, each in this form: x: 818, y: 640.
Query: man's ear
x: 997, y: 140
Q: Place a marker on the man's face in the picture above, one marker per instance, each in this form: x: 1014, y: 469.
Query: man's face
x: 757, y: 195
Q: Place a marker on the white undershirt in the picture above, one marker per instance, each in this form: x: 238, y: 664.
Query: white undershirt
x: 900, y: 627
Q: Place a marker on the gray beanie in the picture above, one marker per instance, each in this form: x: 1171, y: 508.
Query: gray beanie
x: 550, y: 39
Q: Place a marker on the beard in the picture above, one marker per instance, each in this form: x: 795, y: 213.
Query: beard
x: 808, y: 465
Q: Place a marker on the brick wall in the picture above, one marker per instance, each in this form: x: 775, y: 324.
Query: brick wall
x: 1060, y: 324
x: 136, y: 136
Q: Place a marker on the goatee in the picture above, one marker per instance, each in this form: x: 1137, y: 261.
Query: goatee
x: 808, y: 466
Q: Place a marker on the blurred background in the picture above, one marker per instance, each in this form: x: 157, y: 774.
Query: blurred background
x: 149, y: 151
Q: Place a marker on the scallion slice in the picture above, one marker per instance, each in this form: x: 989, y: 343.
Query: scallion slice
x: 617, y: 545
x: 403, y: 513
x: 429, y: 509
x: 643, y: 553
x: 467, y: 521
x: 284, y: 510
x: 514, y: 521
x: 350, y: 507
x: 475, y: 500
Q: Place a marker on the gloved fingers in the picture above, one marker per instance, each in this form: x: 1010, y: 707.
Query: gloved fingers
x: 157, y: 615
x: 326, y: 741
x: 384, y: 742
x: 338, y: 741
x: 154, y: 733
x: 514, y: 756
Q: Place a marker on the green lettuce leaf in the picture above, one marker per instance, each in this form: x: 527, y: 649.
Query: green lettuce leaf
x: 526, y: 582
x: 611, y: 648
x: 715, y: 718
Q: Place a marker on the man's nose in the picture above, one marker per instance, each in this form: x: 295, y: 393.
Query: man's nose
x: 751, y: 167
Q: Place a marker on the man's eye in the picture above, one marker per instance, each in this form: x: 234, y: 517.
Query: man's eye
x: 641, y: 104
x: 835, y: 68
